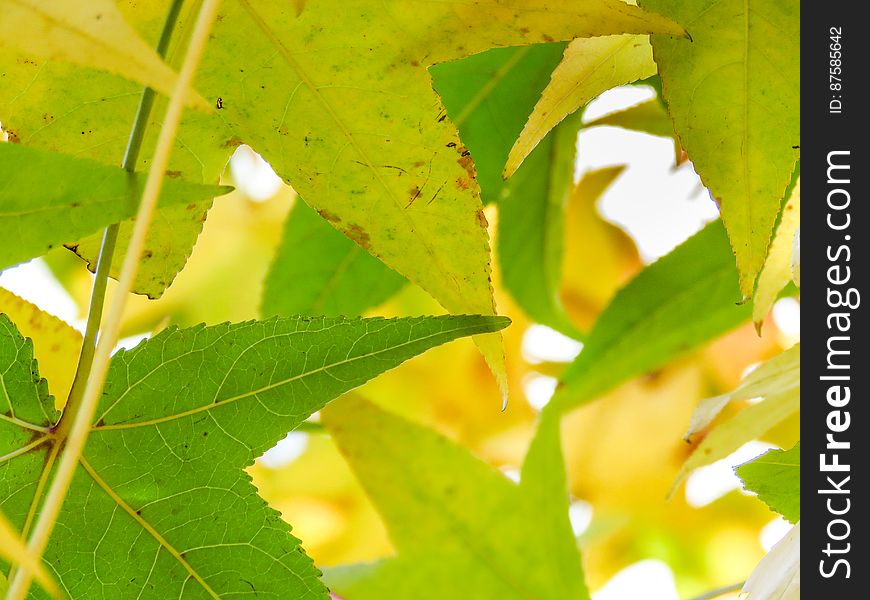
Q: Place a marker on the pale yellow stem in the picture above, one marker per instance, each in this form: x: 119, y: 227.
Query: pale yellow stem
x: 81, y: 426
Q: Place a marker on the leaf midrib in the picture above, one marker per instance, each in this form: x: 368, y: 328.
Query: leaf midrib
x: 266, y: 388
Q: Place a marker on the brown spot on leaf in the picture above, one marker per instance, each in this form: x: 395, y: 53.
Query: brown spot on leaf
x: 524, y: 30
x: 419, y: 163
x: 548, y: 38
x: 359, y: 235
x: 13, y: 137
x: 332, y: 218
x: 190, y: 206
x: 233, y: 142
x: 467, y: 163
x: 173, y: 174
x: 463, y: 183
x: 481, y: 218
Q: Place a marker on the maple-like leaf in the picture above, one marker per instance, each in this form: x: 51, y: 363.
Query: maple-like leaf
x: 340, y: 102
x: 733, y: 92
x: 461, y: 528
x: 160, y: 485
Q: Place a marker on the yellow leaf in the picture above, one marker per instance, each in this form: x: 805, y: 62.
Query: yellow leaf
x: 56, y: 345
x: 589, y: 67
x: 777, y: 381
x: 90, y: 34
x: 13, y: 549
x: 777, y: 271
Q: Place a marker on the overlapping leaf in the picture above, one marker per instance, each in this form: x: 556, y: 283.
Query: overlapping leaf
x: 589, y: 67
x: 777, y: 271
x: 56, y: 345
x: 487, y: 96
x: 777, y: 382
x: 161, y: 481
x: 733, y: 92
x: 461, y: 528
x: 382, y: 163
x: 91, y: 34
x: 677, y: 303
x: 47, y: 199
x: 776, y: 477
x: 318, y: 271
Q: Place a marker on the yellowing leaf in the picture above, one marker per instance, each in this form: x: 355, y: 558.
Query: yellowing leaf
x: 91, y: 34
x: 733, y: 92
x: 777, y: 271
x: 777, y: 381
x: 589, y: 67
x: 340, y: 103
x: 780, y: 374
x: 56, y: 345
x: 13, y: 549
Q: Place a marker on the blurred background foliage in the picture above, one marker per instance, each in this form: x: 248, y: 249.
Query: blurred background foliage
x: 622, y: 451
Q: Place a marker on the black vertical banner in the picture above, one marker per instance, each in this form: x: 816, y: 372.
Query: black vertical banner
x: 834, y: 239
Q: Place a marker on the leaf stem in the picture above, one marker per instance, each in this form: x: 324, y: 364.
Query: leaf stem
x: 110, y: 234
x: 734, y: 587
x: 81, y: 426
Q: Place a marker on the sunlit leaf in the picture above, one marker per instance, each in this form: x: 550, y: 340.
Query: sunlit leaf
x: 776, y: 477
x: 733, y: 92
x: 777, y: 271
x: 589, y: 67
x: 161, y: 479
x: 777, y: 382
x: 780, y: 374
x: 47, y: 199
x: 339, y: 101
x: 461, y: 528
x: 676, y: 304
x: 56, y: 345
x: 318, y: 271
x: 91, y: 34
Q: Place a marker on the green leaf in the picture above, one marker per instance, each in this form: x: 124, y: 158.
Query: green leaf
x: 161, y: 481
x: 776, y: 477
x: 340, y: 103
x: 92, y: 34
x: 588, y: 68
x: 460, y: 527
x: 318, y: 271
x: 47, y: 199
x: 488, y: 96
x: 733, y: 92
x: 532, y: 226
x: 673, y: 306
